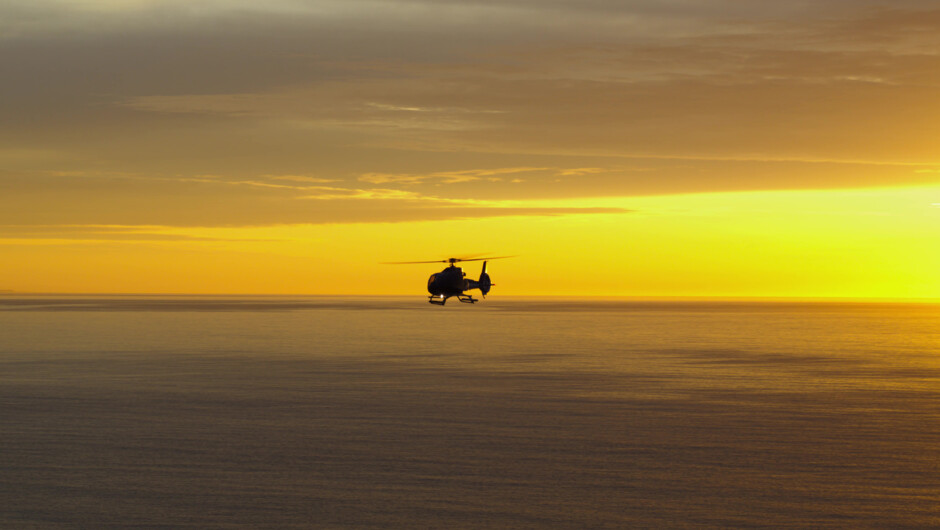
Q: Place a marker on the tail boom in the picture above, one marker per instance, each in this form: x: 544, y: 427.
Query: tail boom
x: 484, y: 284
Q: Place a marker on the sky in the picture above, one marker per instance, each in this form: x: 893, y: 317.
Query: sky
x: 721, y: 148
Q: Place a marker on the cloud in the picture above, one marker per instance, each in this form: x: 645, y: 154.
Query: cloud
x: 579, y: 171
x: 110, y: 105
x: 65, y: 234
x: 738, y: 94
x: 448, y: 177
x: 302, y: 178
x: 103, y: 207
x: 345, y: 194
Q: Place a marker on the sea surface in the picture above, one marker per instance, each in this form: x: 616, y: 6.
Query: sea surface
x: 318, y: 412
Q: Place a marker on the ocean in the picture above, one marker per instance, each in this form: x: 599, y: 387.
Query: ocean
x: 326, y: 412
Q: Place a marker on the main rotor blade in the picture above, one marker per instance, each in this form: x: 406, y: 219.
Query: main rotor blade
x: 449, y: 260
x: 482, y: 259
x: 411, y: 262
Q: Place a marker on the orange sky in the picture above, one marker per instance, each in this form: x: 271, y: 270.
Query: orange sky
x: 642, y: 148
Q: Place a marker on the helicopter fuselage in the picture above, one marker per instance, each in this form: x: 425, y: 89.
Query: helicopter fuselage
x: 449, y: 282
x: 453, y: 281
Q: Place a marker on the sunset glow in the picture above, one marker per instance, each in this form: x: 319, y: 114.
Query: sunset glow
x: 638, y: 150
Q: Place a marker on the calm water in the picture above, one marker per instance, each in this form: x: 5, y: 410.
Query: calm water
x: 329, y: 412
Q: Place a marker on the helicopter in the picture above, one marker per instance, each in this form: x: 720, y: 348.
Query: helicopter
x: 452, y: 281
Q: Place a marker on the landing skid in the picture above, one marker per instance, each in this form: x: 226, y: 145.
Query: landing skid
x: 465, y: 298
x: 437, y: 300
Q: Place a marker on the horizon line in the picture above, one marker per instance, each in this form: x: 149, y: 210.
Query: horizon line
x: 652, y: 298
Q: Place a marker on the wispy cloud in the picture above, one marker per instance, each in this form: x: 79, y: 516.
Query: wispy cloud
x: 578, y: 171
x: 333, y: 194
x: 471, y: 175
x: 71, y: 234
x: 302, y: 178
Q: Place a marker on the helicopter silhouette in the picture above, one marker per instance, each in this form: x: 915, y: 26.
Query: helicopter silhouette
x: 453, y: 281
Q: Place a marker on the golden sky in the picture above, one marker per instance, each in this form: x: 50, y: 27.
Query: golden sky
x: 624, y: 148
